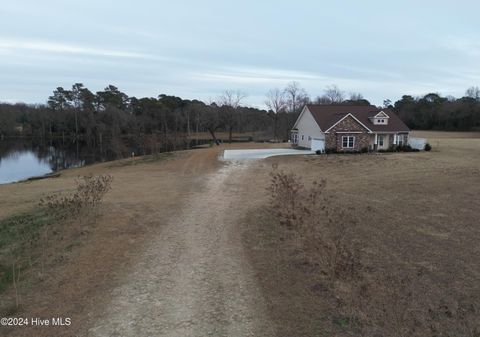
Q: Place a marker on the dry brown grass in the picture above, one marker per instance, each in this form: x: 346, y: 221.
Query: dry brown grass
x: 414, y: 212
x: 416, y: 220
x: 146, y: 194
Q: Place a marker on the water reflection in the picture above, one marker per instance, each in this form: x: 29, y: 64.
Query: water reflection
x: 21, y: 165
x: 22, y: 159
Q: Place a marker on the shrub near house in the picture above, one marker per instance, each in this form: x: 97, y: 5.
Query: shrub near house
x: 347, y: 128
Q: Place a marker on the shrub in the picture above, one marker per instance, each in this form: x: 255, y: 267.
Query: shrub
x: 285, y: 191
x: 427, y: 147
x: 89, y: 192
x: 398, y: 148
x: 318, y: 152
x: 322, y: 230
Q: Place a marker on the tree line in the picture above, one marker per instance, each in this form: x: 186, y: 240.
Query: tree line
x: 168, y: 122
x: 434, y: 112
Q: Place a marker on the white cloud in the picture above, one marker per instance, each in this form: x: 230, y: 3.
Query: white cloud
x: 244, y: 76
x: 55, y: 47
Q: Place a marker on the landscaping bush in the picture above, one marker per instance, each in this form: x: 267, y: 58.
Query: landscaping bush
x: 399, y: 148
x: 427, y: 147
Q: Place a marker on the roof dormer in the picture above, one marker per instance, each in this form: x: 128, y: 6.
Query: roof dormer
x: 380, y: 119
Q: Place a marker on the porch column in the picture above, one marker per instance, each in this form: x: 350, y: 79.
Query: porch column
x: 376, y: 140
x: 394, y: 139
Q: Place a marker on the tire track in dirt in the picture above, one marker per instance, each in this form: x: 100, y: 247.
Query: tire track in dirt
x: 193, y: 279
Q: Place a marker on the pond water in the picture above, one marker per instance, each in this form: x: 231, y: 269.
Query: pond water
x: 20, y: 165
x: 21, y: 159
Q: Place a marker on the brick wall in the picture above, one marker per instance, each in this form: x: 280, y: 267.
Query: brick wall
x: 333, y: 140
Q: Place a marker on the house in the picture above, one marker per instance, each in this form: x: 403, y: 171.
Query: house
x: 348, y: 128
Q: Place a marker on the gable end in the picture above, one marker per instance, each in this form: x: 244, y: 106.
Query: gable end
x: 304, y: 111
x: 349, y: 123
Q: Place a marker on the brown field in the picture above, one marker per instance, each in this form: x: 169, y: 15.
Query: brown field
x: 417, y: 213
x: 186, y: 245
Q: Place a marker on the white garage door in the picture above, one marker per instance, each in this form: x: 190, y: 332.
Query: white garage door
x: 318, y: 145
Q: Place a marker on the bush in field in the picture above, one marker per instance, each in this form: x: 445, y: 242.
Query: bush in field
x: 92, y: 189
x: 89, y: 192
x: 322, y: 231
x: 285, y: 195
x: 289, y: 199
x: 427, y: 147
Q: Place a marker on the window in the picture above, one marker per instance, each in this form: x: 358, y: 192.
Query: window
x: 309, y: 138
x: 400, y: 140
x: 302, y: 137
x: 381, y: 121
x: 348, y: 142
x: 380, y: 140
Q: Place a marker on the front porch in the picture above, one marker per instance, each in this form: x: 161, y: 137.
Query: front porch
x: 383, y: 141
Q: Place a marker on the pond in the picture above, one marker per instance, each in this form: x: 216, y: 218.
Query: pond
x: 22, y: 159
x: 20, y: 165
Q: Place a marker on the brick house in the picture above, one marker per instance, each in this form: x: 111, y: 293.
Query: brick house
x: 348, y: 128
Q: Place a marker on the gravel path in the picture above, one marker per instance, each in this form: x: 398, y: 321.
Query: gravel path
x: 194, y: 279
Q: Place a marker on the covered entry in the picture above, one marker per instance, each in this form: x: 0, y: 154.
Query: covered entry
x: 318, y: 145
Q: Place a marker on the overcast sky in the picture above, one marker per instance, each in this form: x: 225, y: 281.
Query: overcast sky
x: 197, y: 49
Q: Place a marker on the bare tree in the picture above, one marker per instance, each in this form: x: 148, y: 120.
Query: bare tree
x: 334, y: 94
x: 356, y: 96
x: 473, y: 92
x: 231, y: 98
x: 322, y: 100
x: 277, y: 103
x: 230, y: 102
x: 296, y: 97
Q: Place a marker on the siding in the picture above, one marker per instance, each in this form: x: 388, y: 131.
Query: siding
x: 308, y: 127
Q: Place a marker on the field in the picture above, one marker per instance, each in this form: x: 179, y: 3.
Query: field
x: 416, y: 214
x: 186, y: 245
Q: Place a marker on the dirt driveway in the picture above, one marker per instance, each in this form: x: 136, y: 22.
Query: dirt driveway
x: 164, y: 259
x: 193, y: 279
